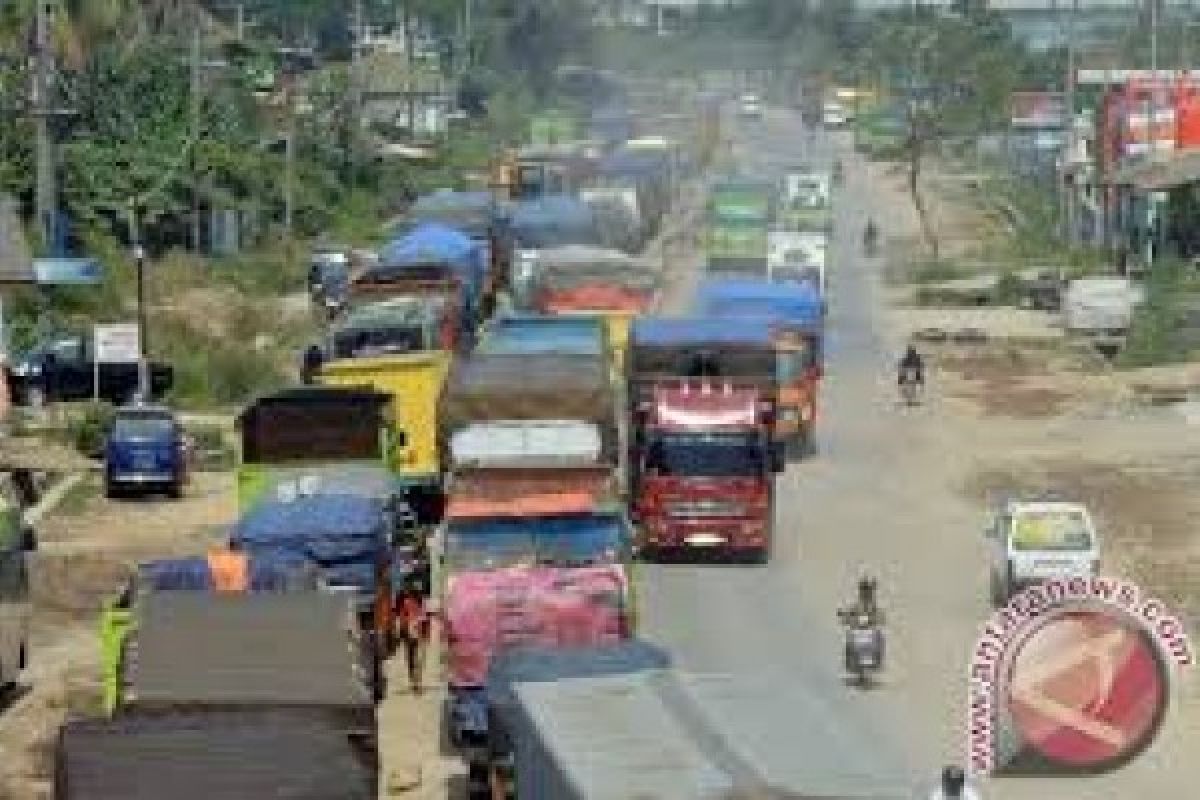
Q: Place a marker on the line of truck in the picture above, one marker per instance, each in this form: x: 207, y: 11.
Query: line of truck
x: 497, y: 418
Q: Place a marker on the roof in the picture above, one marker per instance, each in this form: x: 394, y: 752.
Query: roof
x: 227, y: 755
x: 794, y: 302
x: 236, y: 650
x: 313, y: 515
x: 672, y: 734
x: 426, y: 243
x: 698, y: 331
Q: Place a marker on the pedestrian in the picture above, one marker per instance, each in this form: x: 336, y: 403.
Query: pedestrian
x: 415, y: 618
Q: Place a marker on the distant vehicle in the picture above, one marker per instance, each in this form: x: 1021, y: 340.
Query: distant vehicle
x: 750, y: 106
x: 833, y: 116
x: 17, y: 540
x: 146, y: 451
x: 329, y: 278
x: 1039, y: 541
x: 62, y: 367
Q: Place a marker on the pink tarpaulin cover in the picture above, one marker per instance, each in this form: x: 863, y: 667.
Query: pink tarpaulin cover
x: 547, y: 606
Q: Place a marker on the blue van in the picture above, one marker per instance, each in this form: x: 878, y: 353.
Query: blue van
x: 145, y: 452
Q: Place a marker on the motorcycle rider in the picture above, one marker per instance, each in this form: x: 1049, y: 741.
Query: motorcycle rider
x: 865, y: 614
x: 911, y: 367
x: 954, y: 786
x: 870, y: 235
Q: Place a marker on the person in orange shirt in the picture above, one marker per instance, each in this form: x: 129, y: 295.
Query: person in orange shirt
x: 230, y: 570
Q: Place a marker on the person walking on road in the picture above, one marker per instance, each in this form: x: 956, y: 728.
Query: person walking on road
x: 415, y: 620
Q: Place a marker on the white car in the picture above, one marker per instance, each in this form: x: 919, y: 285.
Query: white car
x: 750, y: 106
x: 1034, y: 542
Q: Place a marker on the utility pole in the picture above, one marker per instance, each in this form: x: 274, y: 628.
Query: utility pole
x: 410, y: 62
x: 45, y: 193
x: 194, y: 133
x: 1072, y: 145
x: 289, y: 162
x: 356, y: 87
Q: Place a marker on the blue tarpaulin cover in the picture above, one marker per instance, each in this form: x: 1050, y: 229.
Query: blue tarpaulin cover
x: 474, y: 213
x: 796, y: 303
x: 433, y: 243
x: 699, y: 331
x: 344, y: 535
x: 267, y: 573
x: 531, y: 334
x: 554, y: 221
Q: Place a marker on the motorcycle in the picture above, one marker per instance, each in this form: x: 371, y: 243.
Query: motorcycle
x: 910, y: 391
x: 864, y: 650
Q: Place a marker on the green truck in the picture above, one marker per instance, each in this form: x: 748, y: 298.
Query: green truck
x: 739, y: 215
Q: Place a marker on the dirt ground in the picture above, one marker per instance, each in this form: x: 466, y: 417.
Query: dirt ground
x: 86, y: 549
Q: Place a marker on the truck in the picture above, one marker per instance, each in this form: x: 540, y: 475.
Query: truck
x: 703, y: 398
x: 297, y: 432
x: 250, y: 650
x: 1100, y: 307
x: 480, y: 216
x: 535, y: 544
x: 547, y: 334
x: 63, y: 368
x: 795, y: 315
x: 797, y: 257
x: 807, y: 202
x: 347, y: 538
x: 212, y: 755
x: 738, y: 219
x: 119, y: 612
x: 543, y: 224
x: 671, y: 733
x: 599, y: 282
x: 432, y: 258
x: 533, y: 664
x: 413, y: 384
x: 413, y: 323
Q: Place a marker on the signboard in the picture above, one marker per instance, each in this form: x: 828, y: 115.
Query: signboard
x: 67, y: 271
x: 1038, y: 110
x: 117, y: 344
x: 1114, y: 77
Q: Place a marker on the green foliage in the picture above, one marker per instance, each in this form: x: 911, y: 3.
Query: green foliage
x: 1160, y: 334
x: 87, y: 430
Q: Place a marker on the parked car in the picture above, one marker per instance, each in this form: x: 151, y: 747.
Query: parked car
x: 63, y: 367
x: 1036, y: 541
x: 146, y: 451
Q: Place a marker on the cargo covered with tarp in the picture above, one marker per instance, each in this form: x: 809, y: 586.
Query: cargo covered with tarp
x: 590, y: 278
x: 214, y: 755
x: 238, y: 651
x: 544, y: 334
x: 693, y: 348
x: 395, y: 326
x: 487, y: 388
x: 530, y: 493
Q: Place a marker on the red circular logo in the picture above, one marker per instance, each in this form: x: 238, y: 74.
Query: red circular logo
x: 1087, y: 689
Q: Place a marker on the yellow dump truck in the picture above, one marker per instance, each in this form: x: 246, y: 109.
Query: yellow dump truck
x: 414, y: 383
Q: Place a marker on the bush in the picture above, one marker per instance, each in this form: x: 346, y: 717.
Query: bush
x: 87, y: 430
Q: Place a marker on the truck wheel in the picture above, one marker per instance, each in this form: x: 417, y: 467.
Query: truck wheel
x: 175, y: 490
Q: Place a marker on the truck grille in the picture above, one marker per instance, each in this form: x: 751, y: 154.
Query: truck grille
x: 705, y: 509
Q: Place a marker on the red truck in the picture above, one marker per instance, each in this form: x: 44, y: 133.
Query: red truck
x: 703, y: 459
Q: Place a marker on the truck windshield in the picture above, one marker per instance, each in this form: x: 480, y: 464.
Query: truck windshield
x: 706, y: 455
x: 142, y: 426
x: 1065, y: 531
x: 569, y: 540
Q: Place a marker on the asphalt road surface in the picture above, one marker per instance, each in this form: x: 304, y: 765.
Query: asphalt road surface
x: 878, y: 496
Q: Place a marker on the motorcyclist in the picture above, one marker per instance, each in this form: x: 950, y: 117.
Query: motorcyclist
x: 870, y: 235
x: 954, y: 786
x: 866, y: 604
x: 911, y: 367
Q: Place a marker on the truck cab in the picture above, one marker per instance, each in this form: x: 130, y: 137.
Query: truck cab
x: 145, y: 451
x: 704, y: 472
x: 62, y: 367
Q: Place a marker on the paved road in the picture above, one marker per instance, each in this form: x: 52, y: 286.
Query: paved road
x: 880, y: 496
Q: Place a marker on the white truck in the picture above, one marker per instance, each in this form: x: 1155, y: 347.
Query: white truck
x: 1100, y: 306
x: 1036, y: 541
x: 797, y: 256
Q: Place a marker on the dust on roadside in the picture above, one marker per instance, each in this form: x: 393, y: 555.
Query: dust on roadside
x: 83, y: 557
